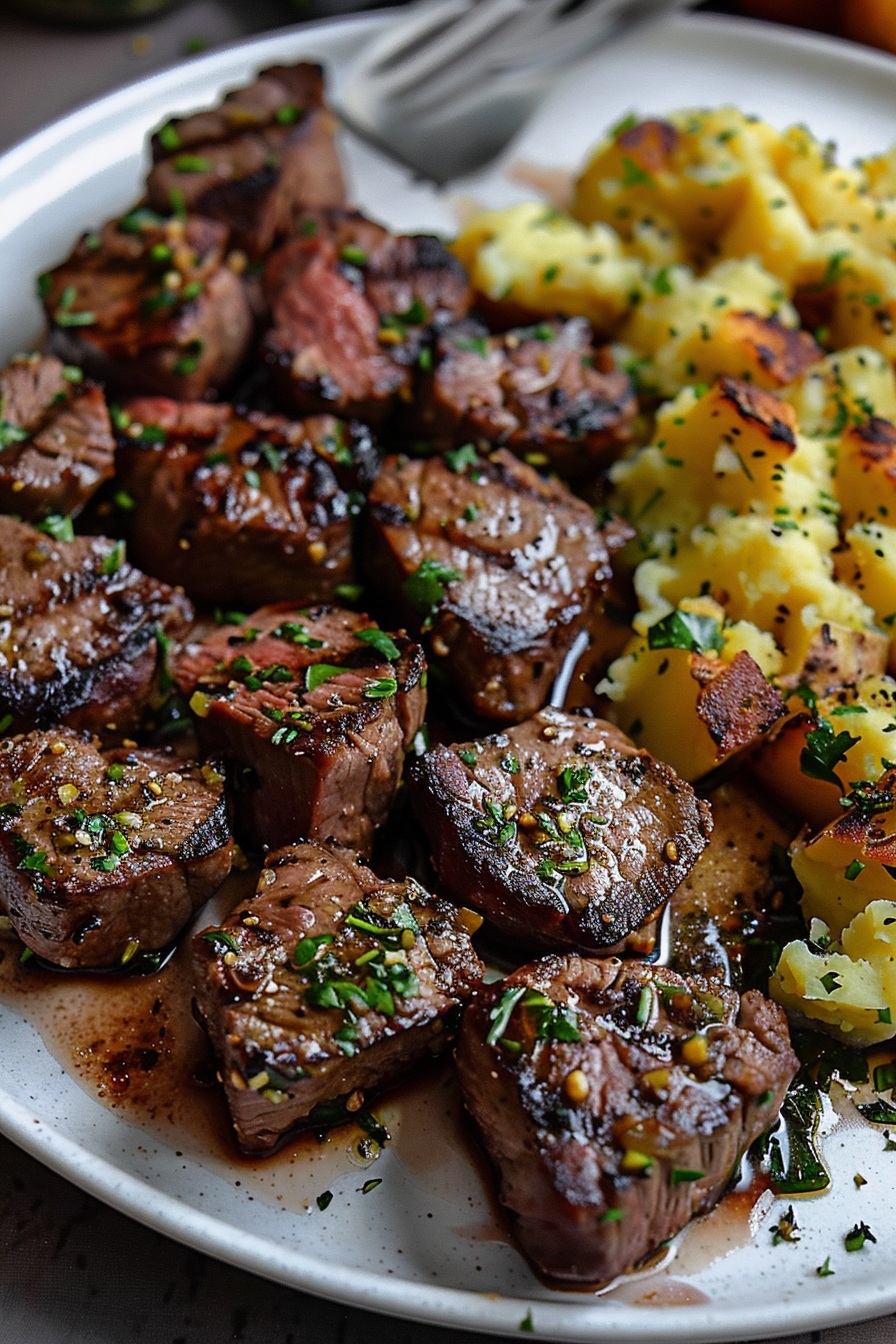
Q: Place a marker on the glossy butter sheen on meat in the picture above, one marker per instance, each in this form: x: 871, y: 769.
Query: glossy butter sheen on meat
x: 616, y: 1100
x: 499, y: 567
x: 105, y: 854
x: 313, y: 709
x: 353, y: 306
x: 243, y: 508
x: 78, y: 631
x: 325, y: 985
x: 56, y: 445
x: 255, y: 161
x: 560, y: 831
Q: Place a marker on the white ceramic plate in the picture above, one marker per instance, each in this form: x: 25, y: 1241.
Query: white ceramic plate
x: 424, y: 1244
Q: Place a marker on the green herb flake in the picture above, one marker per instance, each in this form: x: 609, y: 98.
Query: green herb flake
x: 65, y: 316
x: 857, y: 1236
x: 192, y: 163
x: 113, y: 560
x: 526, y: 1323
x: 686, y: 630
x: 425, y: 587
x: 381, y: 641
x: 823, y: 750
x: 502, y: 1012
x: 168, y: 137
x: 824, y: 1271
x: 10, y: 434
x: 354, y: 256
x: 371, y: 1185
x: 221, y: 941
x: 289, y: 114
x: 786, y: 1228
x: 459, y: 459
x: 319, y: 673
x: 852, y: 870
x: 325, y: 1200
x: 683, y: 1175
x: 57, y: 526
x: 381, y: 689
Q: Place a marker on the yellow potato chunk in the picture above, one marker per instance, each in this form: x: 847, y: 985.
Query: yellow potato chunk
x: 850, y: 992
x: 770, y: 226
x: 693, y: 329
x: 692, y: 170
x: 867, y: 564
x: 864, y: 299
x: 863, y: 719
x: 779, y: 580
x: 843, y: 387
x: 691, y: 691
x: 866, y: 471
x: 731, y: 445
x: 544, y: 263
x: 834, y: 197
x: 852, y: 861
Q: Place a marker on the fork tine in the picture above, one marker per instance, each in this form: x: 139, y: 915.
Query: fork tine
x: 471, y: 28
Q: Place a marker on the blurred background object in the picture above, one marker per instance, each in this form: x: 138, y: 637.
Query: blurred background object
x: 869, y: 21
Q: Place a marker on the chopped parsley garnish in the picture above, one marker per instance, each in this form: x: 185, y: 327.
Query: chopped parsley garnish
x: 113, y: 560
x: 502, y: 1012
x: 425, y: 588
x: 221, y: 941
x: 823, y: 750
x: 381, y: 641
x: 189, y: 362
x: 294, y: 633
x: 824, y: 1271
x: 686, y: 630
x: 468, y: 757
x: 857, y: 1236
x: 510, y: 763
x: 381, y: 689
x: 371, y: 1184
x: 318, y: 673
x: 325, y: 1200
x: 526, y: 1324
x: 65, y: 316
x: 786, y: 1228
x: 355, y: 256
x: 192, y: 163
x: 10, y: 434
x: 459, y: 459
x: 58, y: 526
x: 289, y: 114
x: 682, y: 1175
x: 572, y: 783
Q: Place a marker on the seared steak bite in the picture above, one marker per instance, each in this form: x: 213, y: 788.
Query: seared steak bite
x: 560, y: 831
x: 56, y: 444
x: 313, y: 710
x: 79, y: 628
x: 353, y: 307
x: 255, y: 161
x: 241, y: 509
x: 615, y: 1100
x: 547, y: 392
x: 325, y: 985
x: 500, y: 567
x: 105, y: 854
x: 152, y: 305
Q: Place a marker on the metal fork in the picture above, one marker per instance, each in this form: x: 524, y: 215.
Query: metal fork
x: 446, y: 87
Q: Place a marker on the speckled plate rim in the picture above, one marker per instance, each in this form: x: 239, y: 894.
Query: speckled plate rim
x: 563, y: 1319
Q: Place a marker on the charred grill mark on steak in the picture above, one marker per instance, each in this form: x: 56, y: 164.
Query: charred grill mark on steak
x: 615, y: 1100
x: 353, y: 307
x: 327, y: 984
x: 498, y: 566
x: 547, y: 392
x: 254, y: 162
x: 78, y: 630
x: 151, y: 305
x: 314, y: 710
x: 56, y: 444
x: 104, y: 854
x: 560, y: 831
x: 242, y: 509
